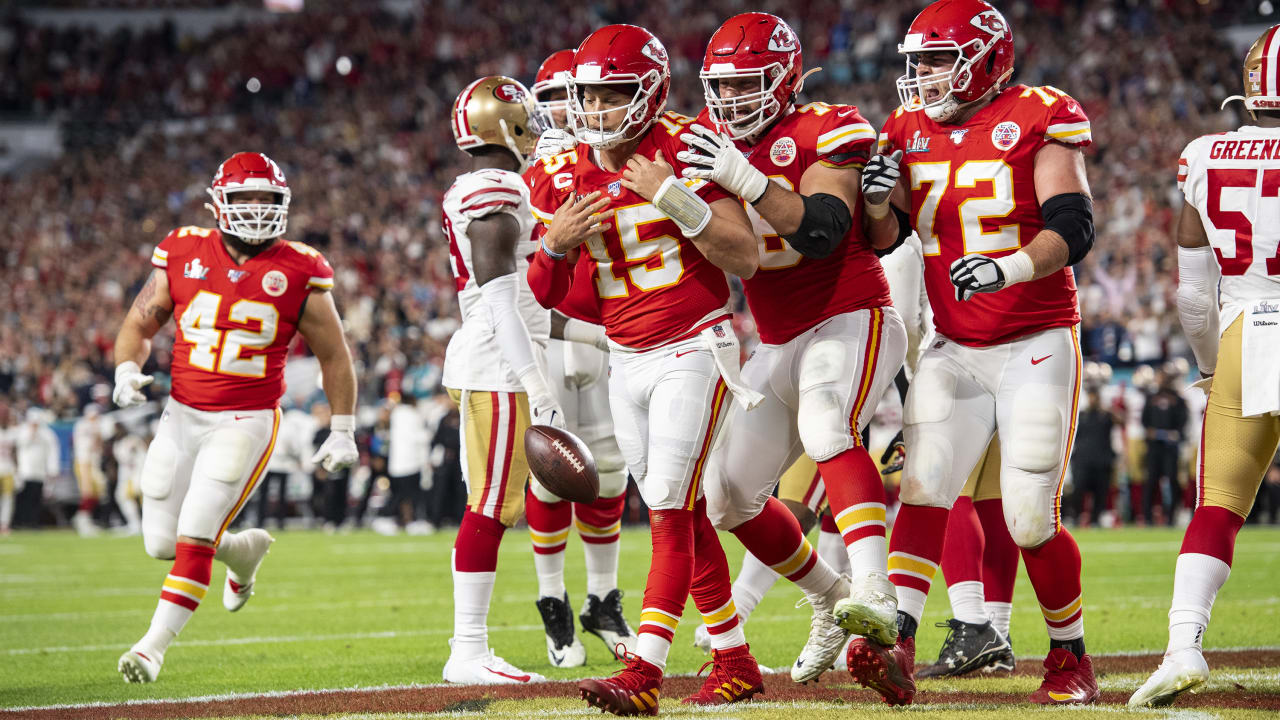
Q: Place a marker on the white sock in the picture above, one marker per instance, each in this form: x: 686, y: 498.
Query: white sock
x: 831, y: 550
x: 472, y: 592
x: 653, y: 648
x: 730, y: 639
x: 753, y: 581
x: 6, y: 509
x: 1196, y: 581
x: 1000, y: 612
x: 166, y: 623
x: 967, y: 604
x: 602, y: 566
x: 550, y: 570
x: 911, y: 601
x: 868, y: 554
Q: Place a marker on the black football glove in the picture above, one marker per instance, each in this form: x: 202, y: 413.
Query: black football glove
x: 894, y: 456
x: 880, y: 176
x: 975, y: 274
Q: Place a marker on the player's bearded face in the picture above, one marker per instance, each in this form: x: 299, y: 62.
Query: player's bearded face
x: 937, y: 65
x: 607, y: 106
x: 733, y: 87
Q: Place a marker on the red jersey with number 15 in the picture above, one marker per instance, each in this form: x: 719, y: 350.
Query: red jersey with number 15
x: 235, y: 322
x: 791, y: 293
x: 972, y: 189
x: 654, y: 286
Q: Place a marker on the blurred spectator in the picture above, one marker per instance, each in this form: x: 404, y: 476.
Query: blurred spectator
x: 332, y: 487
x: 406, y: 460
x: 291, y: 456
x: 39, y: 462
x: 88, y: 437
x: 129, y: 451
x: 1266, y: 507
x: 1093, y: 458
x: 1164, y: 417
x: 7, y: 469
x: 448, y: 496
x: 379, y: 437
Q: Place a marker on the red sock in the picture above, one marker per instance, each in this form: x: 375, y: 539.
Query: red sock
x: 712, y: 587
x: 774, y: 537
x: 1000, y: 556
x: 670, y: 574
x: 1212, y: 532
x: 548, y: 523
x: 476, y: 547
x: 962, y: 551
x: 188, y: 581
x: 1054, y: 569
x: 855, y: 493
x: 829, y: 523
x: 88, y: 505
x: 600, y: 522
x: 914, y: 553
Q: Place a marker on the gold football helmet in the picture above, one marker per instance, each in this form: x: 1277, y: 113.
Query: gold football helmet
x: 497, y: 110
x: 1261, y: 66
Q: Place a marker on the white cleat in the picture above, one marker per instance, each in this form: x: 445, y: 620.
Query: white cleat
x: 871, y: 610
x: 1179, y: 672
x: 702, y: 639
x: 826, y: 637
x: 236, y: 592
x: 138, y: 667
x: 487, y: 669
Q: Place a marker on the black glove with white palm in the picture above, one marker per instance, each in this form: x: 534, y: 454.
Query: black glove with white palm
x: 975, y: 273
x: 714, y: 157
x: 879, y: 178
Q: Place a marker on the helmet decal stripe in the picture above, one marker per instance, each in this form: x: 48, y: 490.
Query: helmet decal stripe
x: 1269, y: 60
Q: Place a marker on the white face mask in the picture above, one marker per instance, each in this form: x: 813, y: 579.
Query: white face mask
x: 735, y: 116
x: 252, y: 222
x: 589, y: 126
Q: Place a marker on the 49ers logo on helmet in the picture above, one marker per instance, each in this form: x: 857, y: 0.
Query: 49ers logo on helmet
x: 991, y: 21
x: 508, y: 93
x: 782, y: 40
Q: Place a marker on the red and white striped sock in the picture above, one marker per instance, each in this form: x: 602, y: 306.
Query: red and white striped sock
x: 775, y: 539
x: 855, y: 492
x: 711, y: 589
x: 475, y: 564
x: 1054, y: 569
x: 183, y: 589
x: 1204, y: 564
x: 962, y: 562
x: 600, y: 527
x: 999, y: 563
x: 914, y: 553
x: 667, y: 589
x: 549, y: 531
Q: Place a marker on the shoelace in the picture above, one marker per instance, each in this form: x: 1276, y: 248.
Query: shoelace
x: 611, y: 608
x: 631, y: 667
x: 820, y: 626
x: 958, y: 632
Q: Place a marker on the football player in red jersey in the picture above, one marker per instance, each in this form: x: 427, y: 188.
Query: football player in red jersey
x: 992, y: 179
x: 827, y: 354
x: 656, y: 251
x: 240, y: 292
x: 578, y: 365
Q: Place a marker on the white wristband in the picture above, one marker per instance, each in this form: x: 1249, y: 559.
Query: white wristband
x: 533, y: 383
x: 127, y: 367
x: 678, y: 202
x: 1016, y: 268
x: 342, y: 423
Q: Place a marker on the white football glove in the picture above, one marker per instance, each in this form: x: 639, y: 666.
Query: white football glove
x: 880, y: 177
x: 339, y: 450
x: 714, y: 157
x: 973, y: 274
x: 545, y: 410
x: 553, y: 142
x: 129, y: 384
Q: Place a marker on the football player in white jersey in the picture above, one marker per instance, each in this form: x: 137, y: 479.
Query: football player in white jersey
x: 493, y: 366
x: 1229, y: 304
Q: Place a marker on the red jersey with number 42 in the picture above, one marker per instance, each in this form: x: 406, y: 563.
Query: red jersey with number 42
x: 235, y: 322
x: 972, y: 190
x: 791, y: 293
x: 653, y: 284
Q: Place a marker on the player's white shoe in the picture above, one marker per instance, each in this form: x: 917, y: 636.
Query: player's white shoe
x: 137, y: 667
x: 241, y: 572
x: 1180, y: 671
x: 487, y: 669
x: 826, y: 637
x: 702, y: 639
x: 871, y: 610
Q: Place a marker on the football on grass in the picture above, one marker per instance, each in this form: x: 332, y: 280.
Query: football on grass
x: 562, y: 463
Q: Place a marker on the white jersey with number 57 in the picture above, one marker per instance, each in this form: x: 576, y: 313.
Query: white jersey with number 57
x: 1233, y: 181
x: 473, y: 360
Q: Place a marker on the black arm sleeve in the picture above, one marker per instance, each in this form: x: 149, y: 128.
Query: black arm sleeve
x: 825, y: 223
x: 904, y: 230
x: 1071, y: 216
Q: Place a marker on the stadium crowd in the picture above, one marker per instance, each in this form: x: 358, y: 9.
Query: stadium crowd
x: 354, y: 104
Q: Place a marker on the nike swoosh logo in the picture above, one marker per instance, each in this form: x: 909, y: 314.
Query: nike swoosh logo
x: 1037, y: 361
x: 557, y: 659
x: 244, y: 417
x: 517, y: 678
x: 1063, y: 697
x: 682, y: 353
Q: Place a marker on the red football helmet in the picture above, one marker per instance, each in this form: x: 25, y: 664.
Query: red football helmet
x: 553, y: 75
x: 619, y: 55
x: 252, y: 222
x: 751, y: 45
x: 984, y: 43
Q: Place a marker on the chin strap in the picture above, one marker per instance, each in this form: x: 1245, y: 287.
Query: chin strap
x: 511, y: 145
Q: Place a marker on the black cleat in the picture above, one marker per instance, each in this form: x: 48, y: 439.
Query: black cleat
x: 970, y: 647
x: 603, y: 618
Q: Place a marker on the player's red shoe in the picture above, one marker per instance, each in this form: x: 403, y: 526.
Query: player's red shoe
x: 1067, y: 680
x: 735, y: 677
x: 633, y: 690
x: 889, y: 671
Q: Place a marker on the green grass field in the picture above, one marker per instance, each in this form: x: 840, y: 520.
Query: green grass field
x: 363, y: 610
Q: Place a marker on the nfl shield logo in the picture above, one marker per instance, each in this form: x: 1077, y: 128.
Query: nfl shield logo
x: 615, y: 188
x: 236, y: 276
x: 719, y: 331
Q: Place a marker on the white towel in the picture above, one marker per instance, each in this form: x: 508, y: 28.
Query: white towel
x: 723, y: 344
x: 1260, y: 358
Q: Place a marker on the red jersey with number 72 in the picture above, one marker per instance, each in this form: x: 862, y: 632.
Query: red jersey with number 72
x: 235, y: 322
x: 972, y: 190
x: 654, y: 285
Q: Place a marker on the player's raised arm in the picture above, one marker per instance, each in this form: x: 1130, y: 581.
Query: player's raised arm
x: 322, y: 328
x: 720, y: 229
x: 884, y: 200
x: 151, y: 309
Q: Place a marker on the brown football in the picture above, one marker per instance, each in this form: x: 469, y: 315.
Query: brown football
x: 562, y: 463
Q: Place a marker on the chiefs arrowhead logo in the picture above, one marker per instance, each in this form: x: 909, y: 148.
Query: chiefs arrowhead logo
x: 782, y: 40
x: 993, y: 22
x: 508, y: 93
x: 654, y: 51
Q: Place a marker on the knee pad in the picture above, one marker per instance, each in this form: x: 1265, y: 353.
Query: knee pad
x: 932, y: 396
x: 607, y: 455
x: 926, y: 476
x: 225, y: 455
x: 732, y: 501
x: 541, y: 492
x: 613, y: 483
x: 1035, y: 441
x: 825, y: 427
x: 158, y: 468
x: 159, y: 544
x: 1029, y: 511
